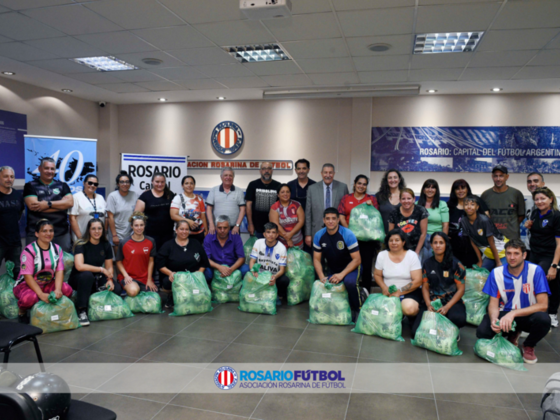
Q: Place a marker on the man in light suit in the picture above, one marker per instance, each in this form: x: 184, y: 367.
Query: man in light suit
x: 321, y: 196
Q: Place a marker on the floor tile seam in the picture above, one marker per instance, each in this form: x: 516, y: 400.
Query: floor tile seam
x: 294, y: 346
x: 435, y: 366
x: 208, y: 411
x: 366, y: 391
x: 113, y: 333
x: 488, y: 405
x: 518, y: 399
x: 133, y: 359
x: 433, y: 386
x: 353, y: 378
x: 226, y: 347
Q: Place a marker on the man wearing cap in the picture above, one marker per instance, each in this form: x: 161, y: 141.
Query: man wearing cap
x: 506, y: 204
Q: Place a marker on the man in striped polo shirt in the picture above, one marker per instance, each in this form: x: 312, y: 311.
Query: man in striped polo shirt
x: 518, y: 292
x: 226, y: 200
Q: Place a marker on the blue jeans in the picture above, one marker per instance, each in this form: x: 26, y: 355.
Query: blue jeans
x: 352, y: 282
x: 490, y: 264
x: 209, y: 272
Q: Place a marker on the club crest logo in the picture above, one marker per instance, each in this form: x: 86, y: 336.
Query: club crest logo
x: 225, y: 378
x: 227, y: 138
x: 526, y: 288
x: 56, y: 191
x: 146, y: 250
x: 480, y: 232
x: 544, y: 222
x: 340, y: 245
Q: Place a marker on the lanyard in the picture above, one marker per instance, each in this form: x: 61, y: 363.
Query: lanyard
x: 94, y: 205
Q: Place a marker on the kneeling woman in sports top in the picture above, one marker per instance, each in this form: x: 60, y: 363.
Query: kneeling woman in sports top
x: 42, y: 271
x: 135, y: 258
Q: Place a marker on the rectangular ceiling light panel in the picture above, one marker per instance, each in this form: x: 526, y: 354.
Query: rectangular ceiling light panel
x: 257, y: 53
x: 446, y: 42
x: 105, y: 63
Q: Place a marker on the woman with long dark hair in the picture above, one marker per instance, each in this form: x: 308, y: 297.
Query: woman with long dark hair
x: 289, y: 216
x: 388, y: 197
x: 190, y: 207
x: 412, y: 220
x: 438, y: 212
x: 120, y: 205
x: 443, y: 278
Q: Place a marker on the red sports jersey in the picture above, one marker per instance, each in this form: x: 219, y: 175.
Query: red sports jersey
x: 135, y: 257
x: 348, y: 202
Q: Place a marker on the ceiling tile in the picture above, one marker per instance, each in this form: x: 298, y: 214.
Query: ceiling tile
x: 529, y: 72
x: 370, y: 4
x: 455, y: 18
x: 547, y: 58
x: 377, y: 22
x: 533, y: 14
x: 326, y: 65
x: 135, y: 14
x: 137, y: 76
x: 332, y: 79
x: 242, y: 82
x: 524, y: 39
x: 434, y: 74
x: 99, y: 77
x: 391, y: 62
x: 503, y: 59
x: 4, y: 39
x: 489, y: 73
x: 446, y: 61
x: 136, y: 59
x: 203, y: 56
x: 22, y: 52
x: 555, y: 43
x: 32, y: 4
x: 4, y: 9
x: 72, y: 19
x: 432, y: 2
x: 123, y: 87
x: 174, y: 38
x: 236, y: 32
x: 160, y: 86
x: 301, y: 27
x: 272, y: 68
x: 62, y: 66
x: 22, y: 28
x: 319, y: 48
x: 311, y: 6
x: 66, y: 47
x: 287, y: 80
x: 226, y: 70
x: 400, y: 44
x: 116, y: 42
x: 199, y: 84
x: 373, y: 77
x: 205, y: 10
x: 179, y: 73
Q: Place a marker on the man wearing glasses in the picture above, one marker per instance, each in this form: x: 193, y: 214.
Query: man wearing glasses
x: 534, y: 180
x: 261, y: 194
x: 48, y: 198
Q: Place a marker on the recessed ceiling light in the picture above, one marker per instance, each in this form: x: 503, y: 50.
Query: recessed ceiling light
x: 496, y: 89
x: 152, y: 61
x: 162, y: 100
x: 257, y: 53
x: 108, y: 63
x: 446, y: 42
x: 431, y: 91
x: 221, y: 98
x: 8, y: 73
x: 67, y: 90
x: 379, y: 47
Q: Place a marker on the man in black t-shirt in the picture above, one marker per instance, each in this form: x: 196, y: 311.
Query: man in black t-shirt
x: 11, y: 208
x: 47, y: 198
x: 261, y: 194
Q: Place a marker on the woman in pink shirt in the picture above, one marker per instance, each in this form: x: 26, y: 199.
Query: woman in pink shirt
x: 288, y: 215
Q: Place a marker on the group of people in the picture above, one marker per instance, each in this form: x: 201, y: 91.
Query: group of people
x: 428, y: 242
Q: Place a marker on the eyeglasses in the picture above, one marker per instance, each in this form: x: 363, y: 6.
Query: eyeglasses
x: 137, y: 217
x: 124, y: 182
x: 95, y: 184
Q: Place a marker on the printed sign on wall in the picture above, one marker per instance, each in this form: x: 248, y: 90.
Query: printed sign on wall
x: 466, y: 149
x: 143, y: 167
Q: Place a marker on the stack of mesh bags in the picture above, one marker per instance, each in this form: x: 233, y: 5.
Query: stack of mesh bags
x: 476, y: 301
x: 56, y: 315
x: 500, y: 351
x: 329, y: 304
x: 257, y: 295
x: 8, y: 302
x: 191, y: 294
x: 106, y: 305
x: 68, y: 260
x: 248, y: 247
x: 226, y: 289
x: 438, y: 334
x: 301, y: 273
x: 366, y: 223
x: 145, y: 302
x: 382, y: 316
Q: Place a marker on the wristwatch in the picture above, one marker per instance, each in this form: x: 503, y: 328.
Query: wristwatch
x: 554, y: 265
x: 237, y: 225
x: 49, y: 203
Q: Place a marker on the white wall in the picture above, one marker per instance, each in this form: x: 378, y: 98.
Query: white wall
x: 467, y: 110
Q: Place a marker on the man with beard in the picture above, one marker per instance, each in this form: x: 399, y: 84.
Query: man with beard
x: 534, y: 180
x: 261, y: 194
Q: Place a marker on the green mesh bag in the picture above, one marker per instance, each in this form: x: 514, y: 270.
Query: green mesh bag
x: 329, y: 304
x: 475, y: 278
x: 226, y: 289
x: 191, y: 294
x: 382, y: 316
x: 57, y: 315
x: 438, y: 334
x: 8, y: 302
x: 106, y: 305
x: 301, y: 273
x: 500, y: 351
x: 257, y: 295
x: 366, y: 223
x: 68, y: 260
x: 248, y: 247
x: 145, y: 302
x: 476, y: 301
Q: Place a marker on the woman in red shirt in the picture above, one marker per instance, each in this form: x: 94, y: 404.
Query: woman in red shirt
x: 368, y: 250
x: 288, y: 215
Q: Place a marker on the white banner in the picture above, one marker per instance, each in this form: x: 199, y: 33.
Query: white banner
x: 143, y: 167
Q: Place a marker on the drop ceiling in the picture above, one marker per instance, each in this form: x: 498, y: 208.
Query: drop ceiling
x: 327, y: 39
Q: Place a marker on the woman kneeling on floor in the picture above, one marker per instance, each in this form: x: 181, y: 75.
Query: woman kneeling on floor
x: 93, y: 267
x: 42, y: 271
x: 443, y: 278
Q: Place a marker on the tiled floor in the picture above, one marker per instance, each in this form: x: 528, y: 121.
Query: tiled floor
x: 227, y: 335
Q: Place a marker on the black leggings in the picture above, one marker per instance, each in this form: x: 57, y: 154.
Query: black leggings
x: 536, y: 324
x: 554, y: 298
x: 86, y: 283
x: 368, y: 251
x: 457, y: 314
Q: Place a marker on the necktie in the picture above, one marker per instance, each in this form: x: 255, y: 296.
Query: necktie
x: 328, y: 197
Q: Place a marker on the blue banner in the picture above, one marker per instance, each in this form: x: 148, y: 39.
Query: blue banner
x: 466, y: 149
x: 75, y: 158
x: 12, y: 129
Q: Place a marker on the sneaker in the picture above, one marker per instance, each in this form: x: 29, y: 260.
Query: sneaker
x: 513, y: 338
x: 554, y: 321
x: 279, y: 302
x: 83, y: 318
x: 363, y: 294
x: 524, y: 334
x: 458, y: 337
x: 529, y: 355
x: 169, y: 303
x: 355, y: 316
x: 23, y: 319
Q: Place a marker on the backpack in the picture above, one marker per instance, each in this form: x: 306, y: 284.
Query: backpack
x: 550, y: 403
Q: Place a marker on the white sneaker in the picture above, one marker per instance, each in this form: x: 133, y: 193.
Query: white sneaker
x: 524, y: 334
x: 83, y: 318
x: 554, y: 321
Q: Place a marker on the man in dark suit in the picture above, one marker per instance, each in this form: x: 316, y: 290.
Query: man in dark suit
x: 321, y: 196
